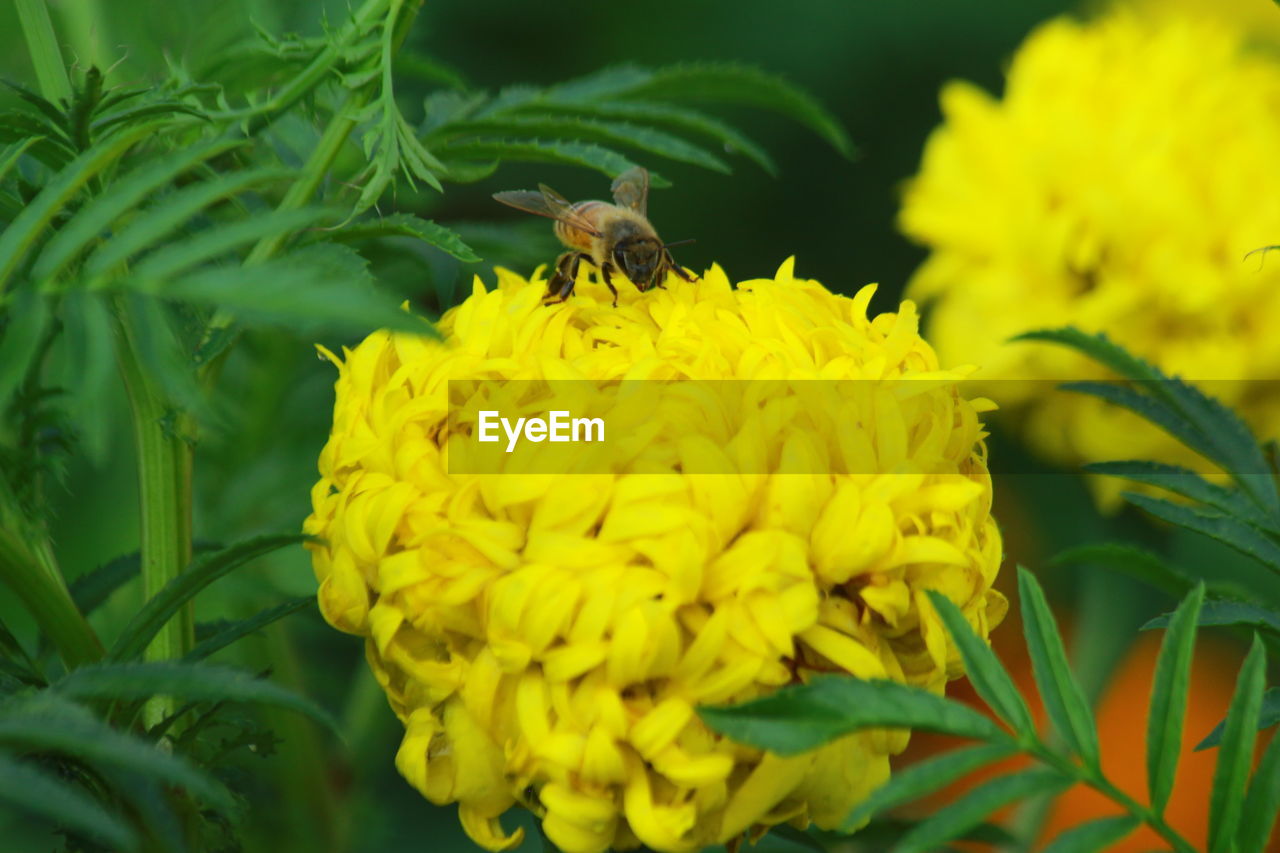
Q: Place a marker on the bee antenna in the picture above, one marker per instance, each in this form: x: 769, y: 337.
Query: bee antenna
x: 679, y: 243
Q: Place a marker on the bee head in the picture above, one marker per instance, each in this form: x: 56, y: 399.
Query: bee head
x: 640, y: 259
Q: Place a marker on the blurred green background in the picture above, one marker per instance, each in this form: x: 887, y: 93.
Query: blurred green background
x: 877, y: 66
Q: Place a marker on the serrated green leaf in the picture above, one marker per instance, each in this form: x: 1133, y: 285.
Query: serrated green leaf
x: 408, y: 225
x: 1146, y: 566
x: 1189, y: 484
x: 23, y: 232
x: 683, y: 118
x: 1214, y: 524
x: 228, y: 634
x: 182, y: 255
x: 1149, y: 408
x: 1217, y: 612
x: 103, y: 125
x: 1268, y: 716
x: 1063, y: 698
x: 94, y: 587
x: 716, y: 81
x: 45, y: 144
x: 49, y: 722
x: 1235, y: 755
x: 984, y: 670
x: 15, y: 661
x: 1261, y: 803
x: 1169, y: 699
x: 1235, y: 752
x: 297, y: 291
x: 1218, y: 432
x: 186, y: 680
x: 801, y: 717
x: 925, y: 777
x: 745, y: 84
x: 624, y: 133
x: 951, y: 821
x: 1094, y: 836
x: 29, y: 319
x: 568, y: 153
x: 35, y: 792
x: 607, y: 82
x: 126, y: 192
x: 144, y: 626
x: 170, y: 213
x: 52, y: 114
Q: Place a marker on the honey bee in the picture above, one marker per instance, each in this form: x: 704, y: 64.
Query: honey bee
x: 615, y: 237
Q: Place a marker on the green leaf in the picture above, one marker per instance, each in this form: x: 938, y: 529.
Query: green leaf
x: 1214, y: 524
x: 15, y: 661
x: 1063, y: 698
x: 244, y: 627
x: 182, y: 255
x: 801, y: 717
x: 187, y: 680
x: 1235, y: 755
x: 1189, y: 484
x: 716, y: 81
x: 306, y: 290
x: 1268, y: 716
x: 647, y: 139
x: 408, y: 225
x: 1169, y: 699
x: 94, y: 587
x: 1228, y: 612
x: 11, y: 158
x: 1261, y: 803
x: 105, y: 123
x: 1149, y: 408
x: 951, y: 821
x: 48, y: 722
x: 144, y: 626
x: 35, y: 792
x: 23, y: 232
x: 694, y: 121
x: 1217, y: 432
x: 169, y: 214
x: 925, y: 777
x: 29, y: 319
x: 1094, y: 836
x: 564, y: 152
x: 95, y: 217
x: 87, y: 367
x: 985, y: 672
x: 1146, y: 566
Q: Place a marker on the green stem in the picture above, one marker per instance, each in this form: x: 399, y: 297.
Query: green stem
x: 1094, y: 779
x: 47, y: 600
x: 42, y: 45
x: 164, y: 484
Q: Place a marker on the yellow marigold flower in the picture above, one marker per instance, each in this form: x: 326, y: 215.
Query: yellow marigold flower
x: 546, y: 638
x: 1116, y: 186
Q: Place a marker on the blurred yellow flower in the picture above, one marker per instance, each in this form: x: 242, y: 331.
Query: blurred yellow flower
x: 546, y: 638
x: 1116, y: 186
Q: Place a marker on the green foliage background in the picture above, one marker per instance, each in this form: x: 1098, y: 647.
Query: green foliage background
x: 877, y: 67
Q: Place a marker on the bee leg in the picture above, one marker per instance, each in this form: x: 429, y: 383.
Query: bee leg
x: 560, y: 285
x: 677, y: 269
x: 606, y: 273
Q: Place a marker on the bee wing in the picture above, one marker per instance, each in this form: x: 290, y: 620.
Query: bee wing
x: 546, y: 202
x: 631, y: 189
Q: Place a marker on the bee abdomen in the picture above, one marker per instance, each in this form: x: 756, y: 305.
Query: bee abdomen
x: 576, y: 238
